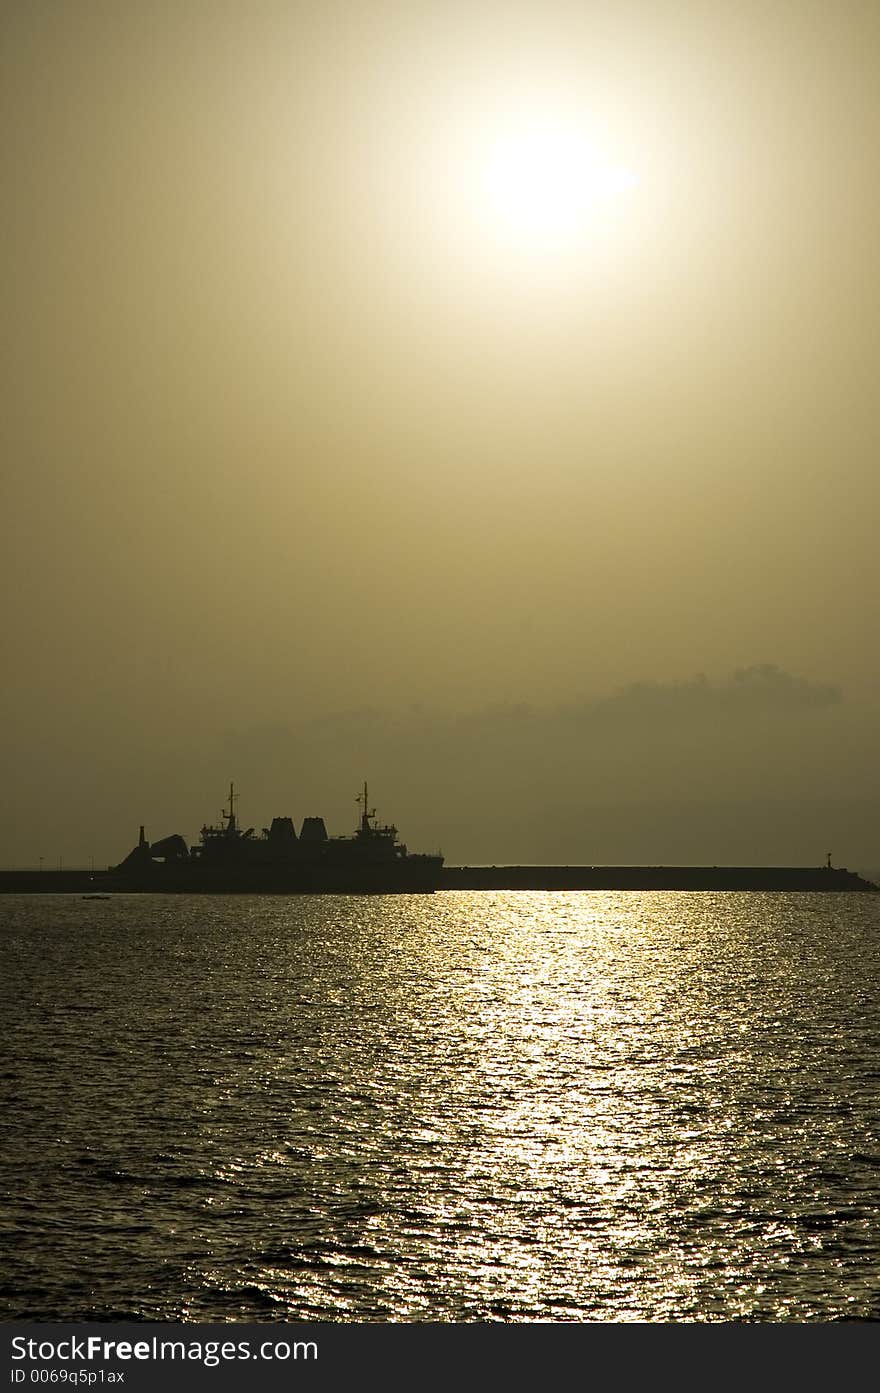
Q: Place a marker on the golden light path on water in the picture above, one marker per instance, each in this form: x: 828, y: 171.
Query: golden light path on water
x: 456, y: 1107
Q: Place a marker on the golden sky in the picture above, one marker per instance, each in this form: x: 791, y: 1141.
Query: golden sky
x: 427, y: 356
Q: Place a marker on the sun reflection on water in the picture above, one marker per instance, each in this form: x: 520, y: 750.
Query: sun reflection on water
x: 476, y: 1107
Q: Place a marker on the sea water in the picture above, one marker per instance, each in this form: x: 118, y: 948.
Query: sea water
x: 451, y: 1107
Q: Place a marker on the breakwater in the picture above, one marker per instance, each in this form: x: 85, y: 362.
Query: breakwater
x: 787, y: 878
x: 758, y: 878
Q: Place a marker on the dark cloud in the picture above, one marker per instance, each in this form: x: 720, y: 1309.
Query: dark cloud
x: 697, y: 770
x: 762, y: 688
x: 759, y: 690
x: 471, y: 777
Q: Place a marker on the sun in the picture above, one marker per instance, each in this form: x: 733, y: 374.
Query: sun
x: 543, y: 183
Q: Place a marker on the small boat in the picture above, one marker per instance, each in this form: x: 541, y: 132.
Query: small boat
x: 96, y: 897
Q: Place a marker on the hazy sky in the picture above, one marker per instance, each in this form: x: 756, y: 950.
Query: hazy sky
x: 462, y: 364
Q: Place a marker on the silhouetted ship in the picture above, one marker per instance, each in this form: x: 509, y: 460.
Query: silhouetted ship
x: 228, y: 858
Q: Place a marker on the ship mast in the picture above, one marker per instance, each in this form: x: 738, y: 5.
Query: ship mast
x: 367, y: 813
x: 230, y: 816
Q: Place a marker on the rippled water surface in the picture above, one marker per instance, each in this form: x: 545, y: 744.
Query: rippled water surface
x: 450, y: 1107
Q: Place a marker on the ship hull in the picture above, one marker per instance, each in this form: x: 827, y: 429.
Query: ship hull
x: 305, y: 880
